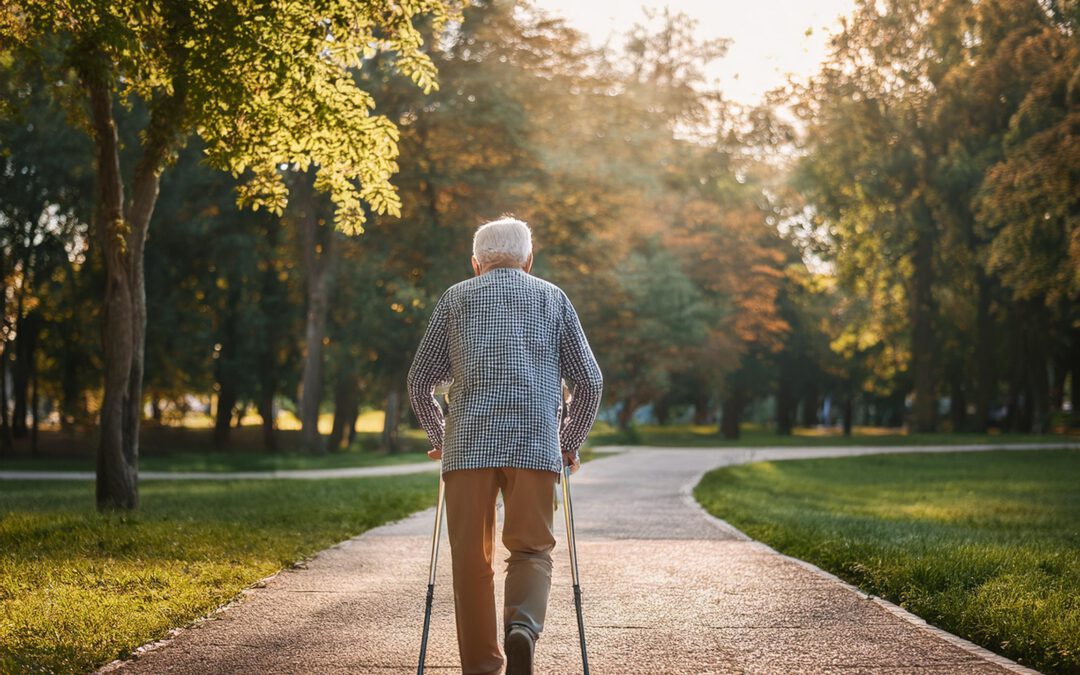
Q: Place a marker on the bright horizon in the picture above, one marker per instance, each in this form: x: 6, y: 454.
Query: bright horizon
x: 769, y: 41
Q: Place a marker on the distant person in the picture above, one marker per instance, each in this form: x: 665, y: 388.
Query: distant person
x: 504, y: 340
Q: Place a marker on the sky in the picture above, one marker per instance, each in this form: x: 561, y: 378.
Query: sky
x: 770, y: 37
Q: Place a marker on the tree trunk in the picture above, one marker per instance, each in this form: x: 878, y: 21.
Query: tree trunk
x: 225, y: 367
x: 626, y: 413
x: 20, y: 370
x: 117, y: 465
x: 985, y: 378
x: 1020, y: 416
x: 1037, y: 376
x: 390, y: 443
x: 351, y: 426
x: 1074, y: 376
x: 122, y: 241
x: 957, y: 402
x: 33, y: 404
x: 1014, y: 416
x: 922, y: 330
x: 785, y: 402
x: 810, y: 407
x: 701, y: 410
x: 223, y: 415
x: 731, y: 415
x: 346, y: 403
x: 848, y: 411
x: 266, y: 411
x: 1057, y: 386
x: 268, y: 360
x: 6, y: 441
x: 317, y: 258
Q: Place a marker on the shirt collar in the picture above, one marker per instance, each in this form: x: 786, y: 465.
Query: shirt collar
x: 503, y: 270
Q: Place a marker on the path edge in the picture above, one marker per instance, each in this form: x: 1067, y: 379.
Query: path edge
x: 240, y: 598
x: 918, y: 622
x: 914, y: 619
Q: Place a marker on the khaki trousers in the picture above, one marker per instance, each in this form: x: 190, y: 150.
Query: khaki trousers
x: 528, y: 501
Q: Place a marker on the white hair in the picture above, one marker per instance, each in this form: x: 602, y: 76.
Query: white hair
x: 502, y: 243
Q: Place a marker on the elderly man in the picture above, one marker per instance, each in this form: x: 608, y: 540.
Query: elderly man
x: 504, y: 339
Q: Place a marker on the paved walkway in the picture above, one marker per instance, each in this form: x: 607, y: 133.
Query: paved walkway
x: 667, y: 589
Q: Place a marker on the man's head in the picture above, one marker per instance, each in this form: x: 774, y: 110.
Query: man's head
x: 506, y: 242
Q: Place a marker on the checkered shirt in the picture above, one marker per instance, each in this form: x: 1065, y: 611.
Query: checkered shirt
x: 504, y: 341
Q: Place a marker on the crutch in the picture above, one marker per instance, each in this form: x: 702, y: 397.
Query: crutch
x: 571, y: 543
x: 431, y: 573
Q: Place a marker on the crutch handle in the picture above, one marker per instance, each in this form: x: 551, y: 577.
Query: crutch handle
x: 438, y: 532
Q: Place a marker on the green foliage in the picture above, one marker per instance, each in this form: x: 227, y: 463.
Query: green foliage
x: 219, y: 280
x: 984, y: 545
x: 46, y: 183
x: 867, y: 171
x: 265, y: 85
x: 940, y: 170
x: 1029, y: 200
x: 660, y: 316
x: 658, y: 206
x: 78, y: 588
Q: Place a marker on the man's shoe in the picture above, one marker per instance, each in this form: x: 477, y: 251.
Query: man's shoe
x: 519, y: 651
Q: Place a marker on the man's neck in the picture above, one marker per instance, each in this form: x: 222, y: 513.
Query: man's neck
x: 485, y: 270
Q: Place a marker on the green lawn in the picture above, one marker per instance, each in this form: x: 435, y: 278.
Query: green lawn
x: 78, y: 588
x: 192, y: 449
x: 985, y: 545
x: 752, y: 435
x: 216, y: 461
x: 209, y: 460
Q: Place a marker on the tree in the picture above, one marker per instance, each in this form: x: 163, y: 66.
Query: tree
x: 660, y: 315
x: 872, y: 144
x: 513, y: 128
x: 910, y: 126
x: 212, y: 285
x: 1028, y: 203
x: 45, y: 183
x: 264, y: 85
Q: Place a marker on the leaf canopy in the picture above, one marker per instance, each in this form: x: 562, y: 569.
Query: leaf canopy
x: 266, y: 84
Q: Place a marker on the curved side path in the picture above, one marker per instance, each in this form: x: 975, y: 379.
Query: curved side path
x: 667, y: 589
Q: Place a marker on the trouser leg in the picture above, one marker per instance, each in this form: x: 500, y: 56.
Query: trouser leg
x: 528, y: 502
x: 470, y: 523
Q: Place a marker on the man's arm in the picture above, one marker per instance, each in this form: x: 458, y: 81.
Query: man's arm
x: 578, y: 365
x: 431, y: 367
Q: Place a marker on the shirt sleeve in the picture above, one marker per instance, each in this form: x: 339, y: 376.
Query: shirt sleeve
x: 430, y: 368
x: 578, y: 365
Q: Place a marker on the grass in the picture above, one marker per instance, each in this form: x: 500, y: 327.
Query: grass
x: 213, y: 462
x: 209, y: 460
x: 79, y: 588
x: 753, y: 435
x: 985, y: 545
x: 190, y: 450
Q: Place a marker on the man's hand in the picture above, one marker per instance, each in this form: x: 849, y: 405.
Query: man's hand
x: 435, y: 453
x: 571, y: 460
